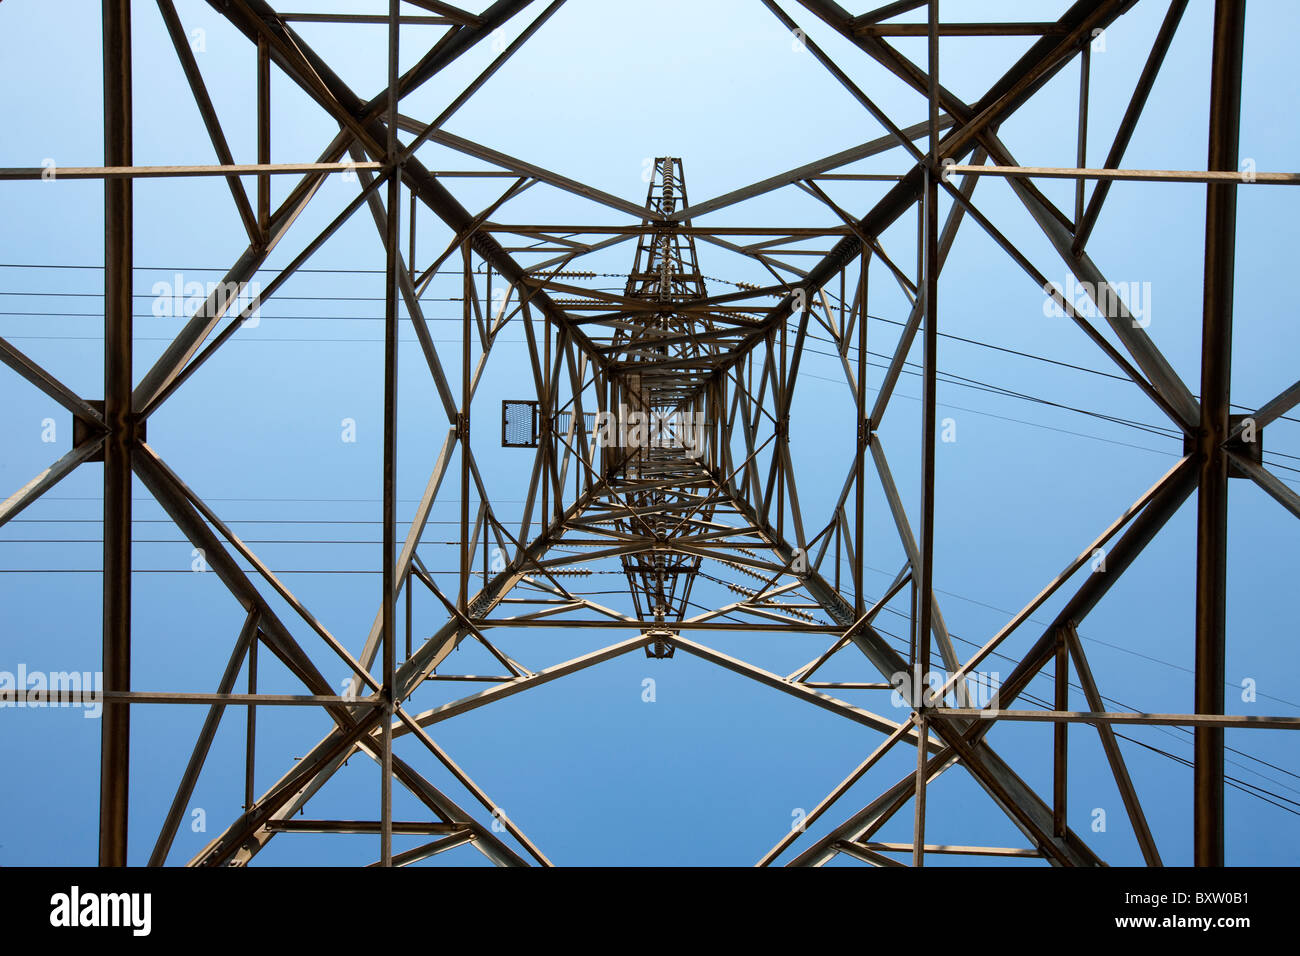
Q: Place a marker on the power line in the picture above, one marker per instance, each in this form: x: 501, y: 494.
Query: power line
x: 1236, y: 782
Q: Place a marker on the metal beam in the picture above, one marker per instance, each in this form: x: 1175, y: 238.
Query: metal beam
x: 1212, y: 459
x: 115, y: 746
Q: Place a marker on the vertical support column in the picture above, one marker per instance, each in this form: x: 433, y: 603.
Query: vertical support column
x: 115, y: 733
x: 1085, y: 70
x: 487, y: 524
x: 925, y: 607
x: 838, y: 518
x: 922, y: 756
x: 544, y: 405
x: 864, y: 437
x: 1216, y: 368
x: 250, y: 737
x: 782, y: 423
x: 410, y: 249
x: 406, y: 592
x: 723, y: 425
x: 1061, y: 738
x: 263, y: 137
x: 392, y: 236
x: 603, y: 455
x: 925, y: 588
x: 467, y: 291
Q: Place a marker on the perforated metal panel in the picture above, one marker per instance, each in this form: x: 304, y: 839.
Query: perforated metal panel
x: 518, y: 424
x: 564, y: 419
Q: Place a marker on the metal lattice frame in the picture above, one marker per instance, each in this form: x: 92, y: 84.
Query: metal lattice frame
x: 667, y: 344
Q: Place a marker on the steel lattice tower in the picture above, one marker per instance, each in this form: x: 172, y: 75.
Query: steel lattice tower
x: 660, y: 419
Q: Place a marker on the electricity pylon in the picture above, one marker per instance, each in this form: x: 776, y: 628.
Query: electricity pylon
x: 660, y: 420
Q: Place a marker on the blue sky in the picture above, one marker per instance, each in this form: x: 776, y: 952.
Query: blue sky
x: 712, y: 770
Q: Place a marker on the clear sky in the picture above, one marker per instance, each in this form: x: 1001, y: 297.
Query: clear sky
x: 714, y: 770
